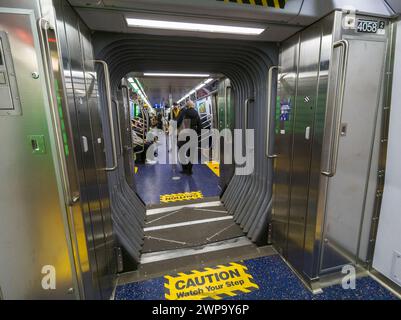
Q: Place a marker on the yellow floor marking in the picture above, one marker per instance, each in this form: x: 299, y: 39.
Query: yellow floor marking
x: 210, y: 283
x: 165, y: 198
x: 214, y: 166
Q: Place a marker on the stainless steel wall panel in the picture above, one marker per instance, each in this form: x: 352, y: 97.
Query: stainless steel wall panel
x: 313, y: 235
x: 226, y: 120
x: 92, y: 98
x: 347, y: 189
x: 33, y: 232
x: 305, y: 104
x: 286, y: 93
x: 82, y: 96
x: 331, y: 166
x: 80, y: 217
x: 89, y: 186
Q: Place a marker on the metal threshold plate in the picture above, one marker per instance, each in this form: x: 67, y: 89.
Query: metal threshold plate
x: 186, y: 223
x: 173, y: 254
x: 194, y: 205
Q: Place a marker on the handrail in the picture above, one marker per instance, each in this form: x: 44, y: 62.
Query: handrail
x: 119, y: 126
x: 110, y: 113
x: 206, y: 115
x: 225, y: 104
x: 269, y: 105
x: 247, y: 101
x: 332, y: 165
x: 123, y: 86
x: 44, y: 25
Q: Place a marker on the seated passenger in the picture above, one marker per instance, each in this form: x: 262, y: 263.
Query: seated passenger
x: 152, y: 138
x: 140, y: 146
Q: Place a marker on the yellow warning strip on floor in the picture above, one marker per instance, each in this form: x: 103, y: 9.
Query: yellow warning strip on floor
x: 214, y: 166
x: 166, y: 198
x: 216, y: 283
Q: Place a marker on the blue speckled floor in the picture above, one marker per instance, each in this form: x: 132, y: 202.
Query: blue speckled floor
x: 155, y: 180
x: 276, y: 282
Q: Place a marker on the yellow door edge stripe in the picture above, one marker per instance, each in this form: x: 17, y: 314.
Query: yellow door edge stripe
x: 278, y: 4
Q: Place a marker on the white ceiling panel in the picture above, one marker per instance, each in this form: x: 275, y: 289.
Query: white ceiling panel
x: 158, y: 89
x: 202, y: 8
x: 114, y: 21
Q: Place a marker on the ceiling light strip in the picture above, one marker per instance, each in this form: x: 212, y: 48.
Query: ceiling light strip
x: 187, y: 26
x: 177, y: 75
x: 200, y: 86
x: 136, y: 85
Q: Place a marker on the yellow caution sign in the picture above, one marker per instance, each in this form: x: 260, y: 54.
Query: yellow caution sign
x: 278, y: 4
x: 215, y: 283
x: 181, y: 196
x: 214, y: 166
x: 136, y: 169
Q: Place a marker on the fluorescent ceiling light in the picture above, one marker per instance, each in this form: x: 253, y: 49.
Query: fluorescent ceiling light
x: 187, y: 26
x: 190, y: 75
x: 203, y: 84
x: 200, y: 86
x: 136, y: 84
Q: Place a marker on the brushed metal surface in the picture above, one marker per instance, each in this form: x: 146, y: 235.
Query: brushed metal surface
x: 92, y: 225
x: 310, y: 42
x: 320, y: 222
x: 225, y: 119
x: 346, y: 195
x: 32, y: 231
x: 286, y: 91
x: 10, y: 103
x: 313, y: 231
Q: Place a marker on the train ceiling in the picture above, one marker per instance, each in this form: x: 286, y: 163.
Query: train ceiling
x: 279, y: 18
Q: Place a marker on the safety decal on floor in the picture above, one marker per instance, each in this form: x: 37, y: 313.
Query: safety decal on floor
x: 214, y: 166
x: 278, y: 4
x: 210, y: 283
x: 165, y: 198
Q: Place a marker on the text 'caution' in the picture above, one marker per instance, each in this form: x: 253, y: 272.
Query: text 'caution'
x: 165, y: 198
x: 210, y: 283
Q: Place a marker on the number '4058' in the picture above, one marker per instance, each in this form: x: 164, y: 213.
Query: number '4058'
x: 367, y: 26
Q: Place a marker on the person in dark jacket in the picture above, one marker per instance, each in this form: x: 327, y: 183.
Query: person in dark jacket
x: 159, y: 118
x: 192, y: 116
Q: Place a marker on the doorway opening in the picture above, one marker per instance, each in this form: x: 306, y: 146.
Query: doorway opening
x: 157, y: 101
x: 182, y: 200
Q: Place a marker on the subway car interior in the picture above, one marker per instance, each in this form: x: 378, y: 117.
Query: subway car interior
x: 290, y: 191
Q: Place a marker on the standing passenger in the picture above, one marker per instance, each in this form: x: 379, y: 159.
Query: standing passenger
x: 173, y: 117
x: 194, y: 123
x: 174, y: 113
